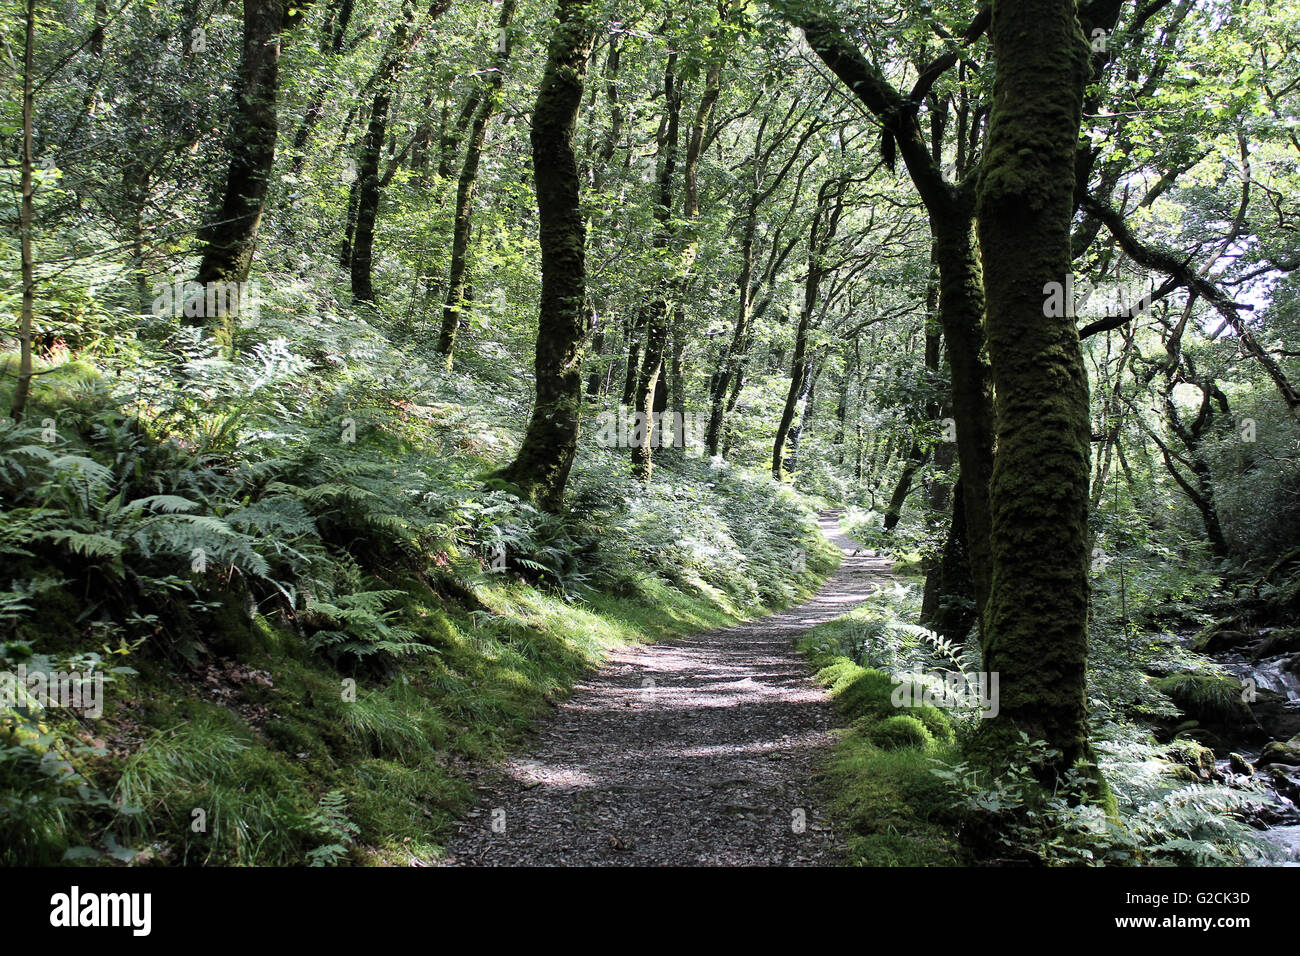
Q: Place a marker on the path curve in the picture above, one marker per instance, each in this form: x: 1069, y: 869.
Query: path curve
x: 696, y: 752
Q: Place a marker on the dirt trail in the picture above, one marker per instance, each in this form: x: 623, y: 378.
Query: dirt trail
x: 696, y: 752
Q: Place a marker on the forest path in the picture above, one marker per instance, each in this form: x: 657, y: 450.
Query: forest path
x: 696, y: 752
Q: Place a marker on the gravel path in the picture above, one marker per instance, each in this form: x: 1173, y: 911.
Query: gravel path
x: 696, y: 752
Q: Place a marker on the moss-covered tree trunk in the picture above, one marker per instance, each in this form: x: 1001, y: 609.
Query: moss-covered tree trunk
x: 635, y: 328
x: 541, y: 469
x: 961, y: 313
x: 367, y: 189
x: 1037, y: 615
x: 961, y: 292
x: 332, y: 37
x: 917, y: 454
x: 22, y: 388
x: 804, y: 416
x: 948, y: 603
x: 646, y: 399
x: 229, y: 240
x: 646, y: 404
x: 489, y: 103
x: 798, y: 375
x: 732, y: 354
x: 369, y: 183
x: 825, y: 223
x: 361, y: 254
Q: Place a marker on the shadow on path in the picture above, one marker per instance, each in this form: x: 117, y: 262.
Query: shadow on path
x: 696, y: 752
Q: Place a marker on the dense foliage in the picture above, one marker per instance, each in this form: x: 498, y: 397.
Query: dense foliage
x: 301, y: 533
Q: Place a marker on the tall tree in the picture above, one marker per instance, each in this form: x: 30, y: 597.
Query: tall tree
x: 1037, y: 614
x: 830, y: 207
x: 650, y: 393
x: 18, y: 404
x: 333, y: 34
x: 541, y: 468
x: 950, y: 207
x: 369, y: 183
x: 230, y: 238
x: 489, y: 103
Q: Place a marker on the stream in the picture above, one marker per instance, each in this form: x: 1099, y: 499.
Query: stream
x: 1276, y: 707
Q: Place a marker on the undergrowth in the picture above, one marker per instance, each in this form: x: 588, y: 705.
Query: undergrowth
x: 313, y: 610
x: 904, y: 784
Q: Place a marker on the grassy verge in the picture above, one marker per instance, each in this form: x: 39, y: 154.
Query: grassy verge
x: 268, y: 754
x: 883, y: 794
x: 312, y: 612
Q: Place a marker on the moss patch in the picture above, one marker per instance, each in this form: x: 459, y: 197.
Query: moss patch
x: 879, y: 774
x: 1209, y: 698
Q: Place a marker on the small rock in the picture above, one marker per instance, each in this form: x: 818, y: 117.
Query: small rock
x: 1240, y: 765
x: 1277, y: 751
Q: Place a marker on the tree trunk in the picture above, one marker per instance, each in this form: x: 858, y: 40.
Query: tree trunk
x: 18, y: 404
x: 916, y: 457
x: 917, y: 454
x: 961, y: 291
x: 1036, y: 634
x: 803, y: 416
x: 677, y: 377
x: 231, y: 238
x: 656, y: 343
x: 541, y: 469
x: 489, y: 103
x: 1200, y: 488
x: 648, y: 383
x: 369, y: 184
x: 635, y: 328
x: 332, y: 42
x: 821, y: 233
x: 596, y: 378
x: 948, y: 603
x: 961, y: 313
x: 449, y: 143
x: 798, y: 373
x: 729, y: 361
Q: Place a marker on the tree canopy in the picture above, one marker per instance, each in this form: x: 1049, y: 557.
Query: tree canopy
x: 433, y: 350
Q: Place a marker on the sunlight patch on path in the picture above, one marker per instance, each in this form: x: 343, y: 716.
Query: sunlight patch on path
x: 699, y: 751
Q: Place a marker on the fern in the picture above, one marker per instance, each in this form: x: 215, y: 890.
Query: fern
x: 357, y: 626
x: 332, y: 824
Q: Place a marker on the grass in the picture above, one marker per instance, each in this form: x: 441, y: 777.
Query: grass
x: 316, y: 685
x: 296, y: 762
x: 879, y: 778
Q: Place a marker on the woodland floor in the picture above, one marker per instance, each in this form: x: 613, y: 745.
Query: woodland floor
x: 696, y: 752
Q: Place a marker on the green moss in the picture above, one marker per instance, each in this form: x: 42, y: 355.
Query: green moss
x: 1190, y: 755
x: 863, y: 692
x: 1213, y: 698
x: 894, y: 808
x: 891, y: 805
x: 896, y: 733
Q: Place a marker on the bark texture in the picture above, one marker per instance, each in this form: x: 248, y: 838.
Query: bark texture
x: 1037, y: 615
x: 488, y: 105
x: 961, y: 290
x: 231, y: 238
x: 541, y: 469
